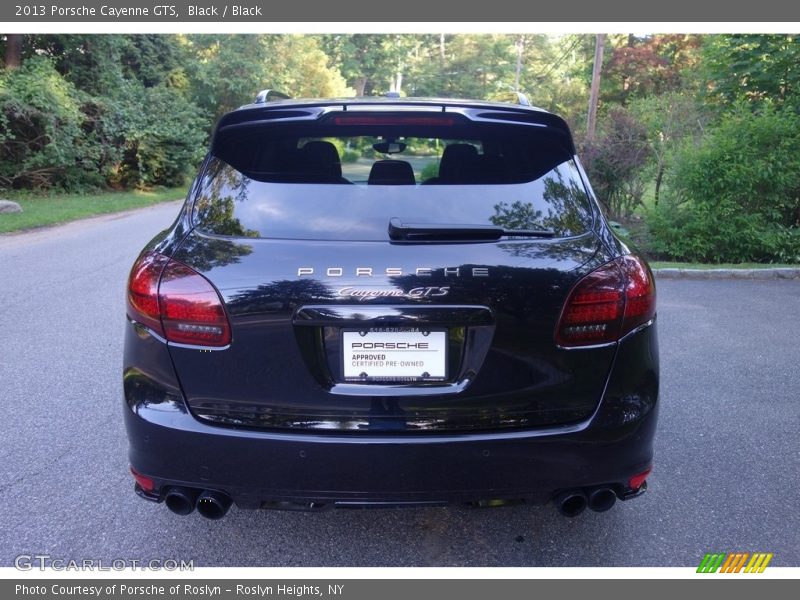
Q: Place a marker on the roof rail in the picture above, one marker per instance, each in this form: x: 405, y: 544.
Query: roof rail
x: 270, y: 95
x: 511, y: 98
x: 522, y: 99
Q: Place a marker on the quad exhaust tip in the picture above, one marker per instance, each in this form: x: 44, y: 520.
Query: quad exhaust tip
x: 213, y: 505
x: 181, y: 500
x: 573, y: 502
x: 209, y: 503
x: 602, y: 499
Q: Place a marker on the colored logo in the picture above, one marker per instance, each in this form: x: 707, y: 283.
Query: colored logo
x: 735, y: 562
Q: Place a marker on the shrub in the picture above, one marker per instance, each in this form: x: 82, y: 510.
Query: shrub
x: 42, y: 142
x: 750, y: 160
x: 350, y: 156
x: 430, y: 170
x: 699, y: 232
x: 163, y: 136
x: 615, y: 163
x: 734, y: 197
x: 53, y: 135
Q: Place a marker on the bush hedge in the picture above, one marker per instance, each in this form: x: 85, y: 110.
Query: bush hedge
x: 53, y: 135
x: 735, y: 196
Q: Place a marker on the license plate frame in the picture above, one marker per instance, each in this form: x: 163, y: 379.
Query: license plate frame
x: 398, y: 346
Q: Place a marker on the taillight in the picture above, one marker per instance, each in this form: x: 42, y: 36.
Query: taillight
x: 143, y: 290
x: 640, y: 293
x: 608, y: 303
x: 176, y: 302
x: 191, y: 309
x: 145, y: 482
x: 636, y: 481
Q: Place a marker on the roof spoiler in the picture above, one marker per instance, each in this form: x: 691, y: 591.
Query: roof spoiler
x: 265, y: 111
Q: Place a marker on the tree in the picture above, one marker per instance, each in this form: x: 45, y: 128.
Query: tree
x: 298, y: 66
x: 615, y: 161
x: 670, y: 120
x: 92, y: 63
x: 366, y: 61
x: 557, y: 72
x: 228, y: 71
x: 645, y: 66
x: 13, y: 55
x: 41, y: 138
x: 752, y: 67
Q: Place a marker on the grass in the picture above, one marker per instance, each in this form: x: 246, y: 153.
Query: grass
x: 687, y: 265
x: 39, y: 211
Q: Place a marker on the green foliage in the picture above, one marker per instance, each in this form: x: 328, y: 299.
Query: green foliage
x: 736, y: 195
x: 429, y: 171
x: 369, y: 62
x: 615, y: 162
x: 41, y: 137
x: 751, y: 161
x: 89, y: 111
x: 752, y: 68
x: 350, y: 156
x: 91, y: 63
x: 99, y: 64
x: 670, y: 120
x: 462, y: 66
x: 227, y: 71
x: 162, y: 142
x: 701, y: 232
x: 704, y: 121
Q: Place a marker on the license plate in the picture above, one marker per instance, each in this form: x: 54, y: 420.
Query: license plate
x: 395, y: 354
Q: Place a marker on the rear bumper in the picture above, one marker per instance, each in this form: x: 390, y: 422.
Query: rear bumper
x: 263, y: 469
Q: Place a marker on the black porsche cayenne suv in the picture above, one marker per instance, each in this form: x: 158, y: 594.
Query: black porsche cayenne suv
x: 386, y: 302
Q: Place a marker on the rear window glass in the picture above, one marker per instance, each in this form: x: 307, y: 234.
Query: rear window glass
x: 311, y: 182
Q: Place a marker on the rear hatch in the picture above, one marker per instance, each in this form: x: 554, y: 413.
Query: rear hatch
x: 414, y: 286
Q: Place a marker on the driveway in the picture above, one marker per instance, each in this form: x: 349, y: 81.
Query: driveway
x: 725, y: 479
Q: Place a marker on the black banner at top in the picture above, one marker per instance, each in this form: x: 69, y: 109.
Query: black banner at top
x: 496, y: 11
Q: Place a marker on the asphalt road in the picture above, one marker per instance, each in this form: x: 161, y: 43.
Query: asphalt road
x: 726, y: 474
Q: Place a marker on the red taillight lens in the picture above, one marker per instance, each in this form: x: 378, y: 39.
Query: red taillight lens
x: 593, y: 311
x: 608, y: 303
x: 640, y: 293
x: 176, y: 302
x: 145, y: 482
x: 143, y: 290
x: 191, y: 309
x: 636, y: 481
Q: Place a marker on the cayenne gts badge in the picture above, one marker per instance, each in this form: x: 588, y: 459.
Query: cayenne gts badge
x: 363, y: 294
x: 395, y: 272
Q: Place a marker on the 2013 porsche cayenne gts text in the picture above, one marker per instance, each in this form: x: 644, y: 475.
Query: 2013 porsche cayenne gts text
x: 389, y: 302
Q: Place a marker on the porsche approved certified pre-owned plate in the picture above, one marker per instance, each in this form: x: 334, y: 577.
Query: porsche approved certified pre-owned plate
x: 394, y: 354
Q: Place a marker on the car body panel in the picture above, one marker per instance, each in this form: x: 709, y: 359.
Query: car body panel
x: 270, y: 419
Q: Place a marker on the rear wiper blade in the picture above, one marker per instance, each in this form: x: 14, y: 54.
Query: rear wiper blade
x: 410, y: 232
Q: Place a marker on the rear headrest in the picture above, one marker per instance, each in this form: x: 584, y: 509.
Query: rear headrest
x: 391, y: 172
x: 458, y: 163
x: 320, y: 160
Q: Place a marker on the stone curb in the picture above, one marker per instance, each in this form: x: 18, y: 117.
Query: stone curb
x: 777, y: 273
